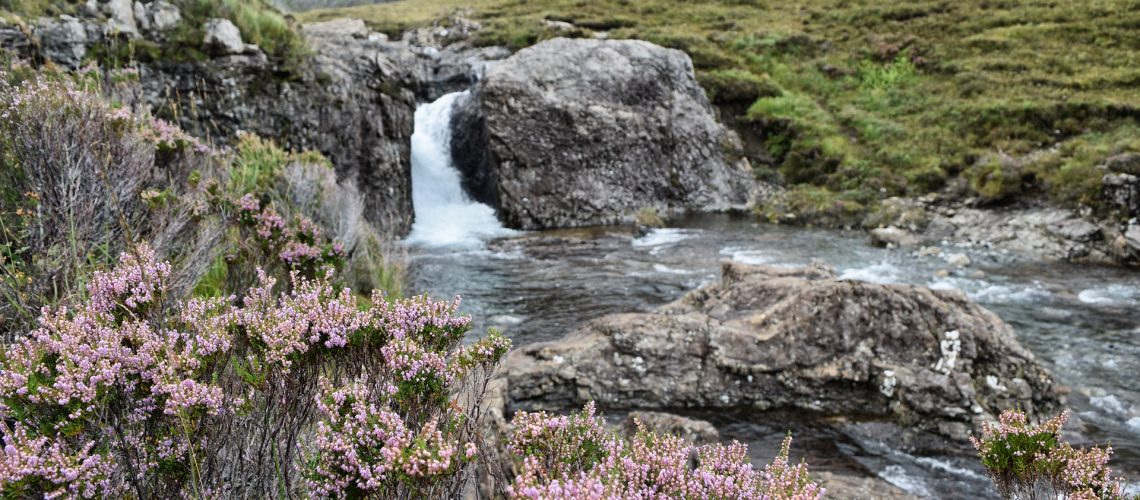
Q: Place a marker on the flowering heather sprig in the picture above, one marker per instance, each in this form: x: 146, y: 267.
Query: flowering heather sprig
x: 575, y: 457
x: 1022, y: 458
x: 169, y: 137
x: 359, y: 442
x: 135, y: 282
x: 30, y: 464
x: 299, y: 245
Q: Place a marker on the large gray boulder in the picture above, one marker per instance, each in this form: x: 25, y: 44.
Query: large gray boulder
x: 120, y: 18
x: 63, y: 40
x: 581, y: 132
x: 771, y: 338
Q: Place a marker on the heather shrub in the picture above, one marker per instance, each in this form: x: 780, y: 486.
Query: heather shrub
x: 308, y: 391
x: 289, y: 212
x: 81, y: 181
x: 1032, y: 461
x: 575, y: 456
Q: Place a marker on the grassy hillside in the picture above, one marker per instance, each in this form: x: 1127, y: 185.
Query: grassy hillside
x: 856, y: 100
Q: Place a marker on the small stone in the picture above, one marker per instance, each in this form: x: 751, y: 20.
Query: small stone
x: 1132, y: 238
x: 942, y: 273
x: 120, y: 18
x: 558, y: 25
x: 1075, y: 229
x: 958, y: 260
x: 223, y: 37
x: 929, y: 251
x: 163, y: 15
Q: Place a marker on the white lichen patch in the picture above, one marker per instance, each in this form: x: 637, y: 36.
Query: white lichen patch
x: 993, y: 383
x: 889, y: 383
x: 951, y: 347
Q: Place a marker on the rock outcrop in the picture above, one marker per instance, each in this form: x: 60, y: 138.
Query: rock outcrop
x: 350, y: 100
x: 582, y: 132
x: 773, y: 338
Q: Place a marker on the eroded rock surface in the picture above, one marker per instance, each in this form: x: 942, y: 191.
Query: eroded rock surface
x: 581, y: 132
x: 772, y: 338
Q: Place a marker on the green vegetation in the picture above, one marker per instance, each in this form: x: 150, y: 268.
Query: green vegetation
x: 860, y: 100
x: 259, y: 21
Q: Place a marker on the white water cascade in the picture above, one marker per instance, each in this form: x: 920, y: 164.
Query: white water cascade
x: 445, y: 215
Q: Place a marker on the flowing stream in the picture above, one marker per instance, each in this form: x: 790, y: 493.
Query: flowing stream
x: 1082, y: 322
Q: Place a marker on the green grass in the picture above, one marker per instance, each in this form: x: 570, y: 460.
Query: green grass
x: 858, y: 99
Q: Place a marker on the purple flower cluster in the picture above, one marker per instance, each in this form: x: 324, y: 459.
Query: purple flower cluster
x: 1022, y: 458
x: 298, y: 245
x: 169, y: 137
x: 576, y: 457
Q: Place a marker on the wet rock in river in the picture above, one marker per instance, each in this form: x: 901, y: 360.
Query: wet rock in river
x: 770, y: 338
x: 894, y: 237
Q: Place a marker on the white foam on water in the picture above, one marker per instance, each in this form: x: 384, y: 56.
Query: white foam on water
x: 942, y: 465
x: 505, y: 319
x: 745, y: 256
x: 1108, y: 403
x: 896, y: 475
x: 992, y: 293
x: 1134, y: 424
x: 445, y: 216
x: 883, y: 273
x: 661, y: 237
x: 1111, y: 295
x: 661, y: 268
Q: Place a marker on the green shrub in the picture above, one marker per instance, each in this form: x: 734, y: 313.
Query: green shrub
x: 900, y: 71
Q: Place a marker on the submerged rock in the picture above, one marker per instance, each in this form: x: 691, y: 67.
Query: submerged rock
x: 894, y: 237
x: 581, y: 132
x: 772, y: 338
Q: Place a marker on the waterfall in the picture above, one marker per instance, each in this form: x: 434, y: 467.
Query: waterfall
x: 445, y: 215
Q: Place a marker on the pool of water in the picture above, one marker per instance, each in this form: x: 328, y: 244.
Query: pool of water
x: 1082, y: 322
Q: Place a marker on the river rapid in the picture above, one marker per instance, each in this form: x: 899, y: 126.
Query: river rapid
x: 1082, y: 322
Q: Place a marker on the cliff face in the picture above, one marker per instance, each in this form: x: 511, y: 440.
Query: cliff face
x: 350, y: 101
x: 351, y: 98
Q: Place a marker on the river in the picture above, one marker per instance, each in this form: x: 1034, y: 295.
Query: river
x: 1082, y: 322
